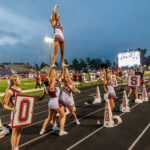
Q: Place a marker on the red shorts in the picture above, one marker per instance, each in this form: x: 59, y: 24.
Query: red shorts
x: 133, y: 88
x: 111, y: 97
x: 59, y: 39
x: 60, y: 105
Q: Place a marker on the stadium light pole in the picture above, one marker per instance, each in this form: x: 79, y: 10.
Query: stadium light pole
x: 49, y: 40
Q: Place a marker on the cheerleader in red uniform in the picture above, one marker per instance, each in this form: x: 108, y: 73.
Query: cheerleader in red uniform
x: 8, y: 103
x: 53, y: 89
x: 108, y: 87
x: 45, y: 91
x: 65, y: 97
x: 135, y: 91
x: 58, y: 36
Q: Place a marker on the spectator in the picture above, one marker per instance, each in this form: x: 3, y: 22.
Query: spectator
x: 43, y: 77
x: 77, y: 76
x: 37, y: 81
x: 74, y: 78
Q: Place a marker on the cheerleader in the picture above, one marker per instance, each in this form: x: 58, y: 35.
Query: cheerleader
x: 98, y: 75
x: 83, y: 78
x: 58, y: 36
x: 108, y: 87
x: 53, y: 88
x: 71, y: 75
x: 8, y: 102
x: 65, y: 96
x: 126, y: 75
x: 133, y: 88
x: 45, y: 92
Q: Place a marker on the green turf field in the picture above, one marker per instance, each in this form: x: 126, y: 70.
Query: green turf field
x: 39, y: 93
x: 147, y: 73
x: 30, y: 84
x: 25, y: 85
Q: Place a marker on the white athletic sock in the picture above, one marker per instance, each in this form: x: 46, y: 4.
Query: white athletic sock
x: 63, y: 64
x: 53, y: 65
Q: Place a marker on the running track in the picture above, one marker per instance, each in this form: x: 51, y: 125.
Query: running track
x: 133, y: 133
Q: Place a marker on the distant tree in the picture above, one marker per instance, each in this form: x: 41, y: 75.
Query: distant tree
x: 37, y: 67
x: 57, y: 64
x: 147, y: 62
x: 143, y: 53
x: 93, y: 64
x: 43, y: 65
x: 108, y: 63
x: 65, y: 60
x: 88, y: 61
x: 75, y: 64
x: 82, y: 64
x: 98, y: 62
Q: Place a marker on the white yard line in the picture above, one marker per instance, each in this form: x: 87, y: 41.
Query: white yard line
x: 35, y: 139
x: 36, y: 107
x: 85, y: 138
x: 44, y: 112
x: 139, y: 137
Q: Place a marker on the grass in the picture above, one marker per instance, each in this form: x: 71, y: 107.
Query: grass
x: 39, y: 93
x: 36, y: 93
x: 147, y: 73
x: 30, y: 84
x: 89, y: 85
x: 26, y: 84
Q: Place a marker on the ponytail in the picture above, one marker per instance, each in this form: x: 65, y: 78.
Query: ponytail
x: 3, y: 98
x: 10, y: 84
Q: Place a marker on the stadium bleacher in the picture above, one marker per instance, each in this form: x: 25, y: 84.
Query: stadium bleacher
x: 15, y: 68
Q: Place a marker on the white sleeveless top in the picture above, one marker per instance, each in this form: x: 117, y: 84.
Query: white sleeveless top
x: 58, y: 31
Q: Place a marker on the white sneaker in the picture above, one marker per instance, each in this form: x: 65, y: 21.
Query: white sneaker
x: 51, y: 122
x: 4, y: 131
x: 16, y: 148
x: 138, y: 101
x: 43, y: 131
x: 55, y: 128
x: 9, y: 125
x: 77, y: 122
x: 62, y: 132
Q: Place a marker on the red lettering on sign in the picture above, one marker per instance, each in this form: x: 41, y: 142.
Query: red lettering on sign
x: 144, y: 93
x: 107, y: 113
x: 21, y: 117
x: 124, y: 101
x: 133, y: 80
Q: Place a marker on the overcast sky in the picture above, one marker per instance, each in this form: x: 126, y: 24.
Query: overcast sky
x: 92, y: 28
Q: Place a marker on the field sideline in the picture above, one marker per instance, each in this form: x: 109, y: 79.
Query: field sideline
x: 30, y: 83
x: 27, y: 84
x: 39, y: 92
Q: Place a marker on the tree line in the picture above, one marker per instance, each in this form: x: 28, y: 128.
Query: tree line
x: 94, y: 63
x: 79, y: 64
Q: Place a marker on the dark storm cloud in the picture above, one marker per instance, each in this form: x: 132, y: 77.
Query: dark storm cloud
x: 95, y: 28
x: 9, y: 33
